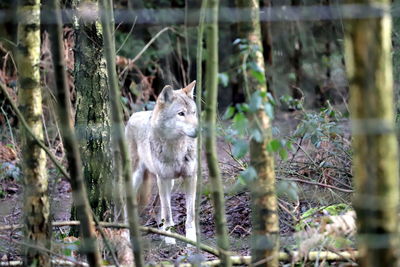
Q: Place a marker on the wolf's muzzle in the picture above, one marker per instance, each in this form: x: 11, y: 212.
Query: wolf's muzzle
x: 192, y: 134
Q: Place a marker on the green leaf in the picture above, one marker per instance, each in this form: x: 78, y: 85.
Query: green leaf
x: 230, y: 111
x: 240, y: 122
x: 223, y: 79
x: 274, y: 145
x: 283, y: 153
x: 269, y: 110
x: 248, y: 175
x: 255, y: 101
x: 237, y: 41
x: 288, y: 190
x: 258, y: 75
x: 240, y: 148
x: 337, y: 209
x: 271, y: 99
x: 257, y: 135
x: 289, y: 145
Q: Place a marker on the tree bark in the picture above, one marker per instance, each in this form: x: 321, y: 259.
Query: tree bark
x: 89, y: 243
x: 36, y: 201
x: 297, y: 55
x: 375, y: 160
x: 118, y: 131
x: 210, y: 131
x: 92, y: 119
x: 265, y: 219
x: 266, y: 39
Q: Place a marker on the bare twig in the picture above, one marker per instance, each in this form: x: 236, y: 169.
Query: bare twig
x: 127, y: 36
x: 315, y: 183
x: 204, y: 247
x: 43, y: 249
x: 29, y: 130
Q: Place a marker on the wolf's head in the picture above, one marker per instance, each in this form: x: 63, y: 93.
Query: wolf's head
x: 175, y: 113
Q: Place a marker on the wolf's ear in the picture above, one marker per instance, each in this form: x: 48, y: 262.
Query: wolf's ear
x: 189, y: 89
x: 166, y: 94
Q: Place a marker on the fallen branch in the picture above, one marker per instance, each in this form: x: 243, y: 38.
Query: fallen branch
x: 283, y: 256
x: 316, y: 183
x: 204, y: 247
x: 236, y: 260
x: 45, y: 250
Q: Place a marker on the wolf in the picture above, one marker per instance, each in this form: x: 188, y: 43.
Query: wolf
x: 162, y: 144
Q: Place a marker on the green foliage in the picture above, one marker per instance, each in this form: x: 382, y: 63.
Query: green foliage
x: 280, y: 146
x: 223, y: 79
x: 287, y: 190
x: 319, y: 127
x: 11, y: 171
x: 248, y: 175
x: 291, y: 103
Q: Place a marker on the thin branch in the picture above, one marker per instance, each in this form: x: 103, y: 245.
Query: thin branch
x: 148, y: 45
x: 43, y: 249
x: 127, y: 36
x: 89, y: 243
x: 316, y: 183
x: 204, y: 247
x: 105, y: 239
x: 29, y: 130
x: 107, y: 19
x: 199, y: 78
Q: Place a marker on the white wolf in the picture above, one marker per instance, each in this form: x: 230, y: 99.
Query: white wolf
x: 162, y: 143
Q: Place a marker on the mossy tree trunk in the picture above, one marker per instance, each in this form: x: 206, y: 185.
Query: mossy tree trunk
x: 375, y: 160
x: 92, y: 119
x: 210, y: 131
x: 265, y: 220
x: 36, y: 201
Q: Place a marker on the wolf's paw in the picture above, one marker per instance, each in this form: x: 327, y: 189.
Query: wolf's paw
x: 170, y: 240
x: 191, y: 234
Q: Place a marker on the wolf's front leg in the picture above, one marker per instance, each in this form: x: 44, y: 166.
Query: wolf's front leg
x: 164, y: 189
x: 190, y: 225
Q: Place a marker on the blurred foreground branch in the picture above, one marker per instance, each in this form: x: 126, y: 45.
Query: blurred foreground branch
x: 89, y: 243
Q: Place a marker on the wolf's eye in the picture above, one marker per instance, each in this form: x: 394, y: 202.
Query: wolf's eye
x: 181, y: 113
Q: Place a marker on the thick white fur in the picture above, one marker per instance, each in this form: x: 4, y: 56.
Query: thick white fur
x: 163, y: 143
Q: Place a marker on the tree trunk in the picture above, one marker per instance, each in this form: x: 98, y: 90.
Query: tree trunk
x: 266, y: 39
x: 265, y: 220
x: 89, y: 243
x: 118, y: 131
x: 375, y: 160
x: 92, y: 117
x: 199, y: 78
x: 36, y: 202
x: 296, y: 56
x: 210, y: 131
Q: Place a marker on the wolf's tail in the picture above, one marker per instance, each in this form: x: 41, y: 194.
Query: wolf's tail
x: 144, y: 192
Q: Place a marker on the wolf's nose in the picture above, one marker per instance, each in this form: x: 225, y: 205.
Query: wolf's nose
x: 193, y: 133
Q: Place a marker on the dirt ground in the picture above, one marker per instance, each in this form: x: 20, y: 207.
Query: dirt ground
x: 237, y: 200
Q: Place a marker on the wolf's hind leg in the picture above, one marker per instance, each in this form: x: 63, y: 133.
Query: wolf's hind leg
x: 137, y: 180
x: 190, y: 188
x: 164, y: 189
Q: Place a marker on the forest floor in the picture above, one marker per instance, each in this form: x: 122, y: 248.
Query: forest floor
x: 319, y: 175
